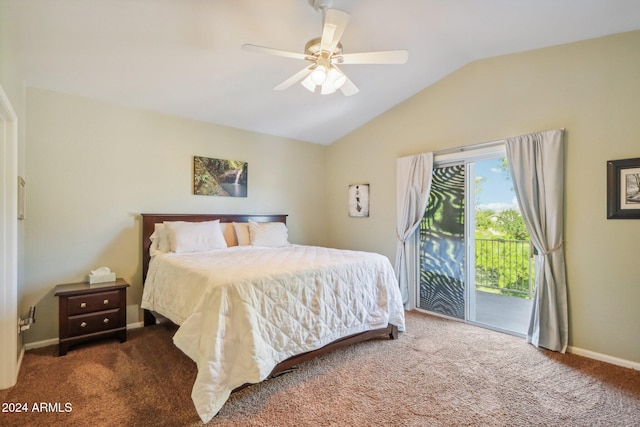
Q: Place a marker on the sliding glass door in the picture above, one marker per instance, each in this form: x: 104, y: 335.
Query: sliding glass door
x: 442, y: 244
x: 475, y: 262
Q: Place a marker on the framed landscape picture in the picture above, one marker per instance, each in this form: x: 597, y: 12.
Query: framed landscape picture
x: 217, y: 177
x: 359, y: 200
x: 623, y: 189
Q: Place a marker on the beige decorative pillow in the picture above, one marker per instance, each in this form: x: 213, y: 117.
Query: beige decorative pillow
x: 242, y: 233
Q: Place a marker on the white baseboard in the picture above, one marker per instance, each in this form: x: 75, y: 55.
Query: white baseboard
x: 54, y: 341
x: 39, y: 344
x: 603, y: 358
x: 135, y: 325
x: 19, y: 363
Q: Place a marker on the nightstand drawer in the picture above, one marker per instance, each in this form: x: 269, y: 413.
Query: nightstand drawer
x: 96, y: 322
x: 95, y: 302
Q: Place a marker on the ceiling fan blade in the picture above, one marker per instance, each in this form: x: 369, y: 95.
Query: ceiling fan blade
x: 348, y: 88
x: 335, y: 21
x: 381, y: 57
x: 295, y: 78
x: 270, y: 51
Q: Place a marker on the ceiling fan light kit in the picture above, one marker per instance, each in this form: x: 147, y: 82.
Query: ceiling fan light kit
x: 325, y: 52
x: 327, y: 81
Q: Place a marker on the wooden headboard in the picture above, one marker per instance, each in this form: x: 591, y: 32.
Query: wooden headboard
x: 149, y: 221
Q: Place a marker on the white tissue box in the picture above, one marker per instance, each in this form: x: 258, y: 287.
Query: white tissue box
x: 102, y: 278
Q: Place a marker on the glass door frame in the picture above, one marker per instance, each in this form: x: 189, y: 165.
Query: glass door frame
x: 470, y: 242
x: 467, y: 157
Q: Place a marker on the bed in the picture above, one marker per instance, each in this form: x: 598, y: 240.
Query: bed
x: 256, y: 305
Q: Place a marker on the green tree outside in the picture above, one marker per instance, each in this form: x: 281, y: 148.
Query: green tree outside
x: 502, y: 249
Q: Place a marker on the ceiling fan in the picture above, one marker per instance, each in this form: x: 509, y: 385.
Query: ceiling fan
x: 325, y: 53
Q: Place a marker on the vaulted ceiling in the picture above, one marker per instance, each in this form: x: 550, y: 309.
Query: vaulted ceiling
x: 184, y: 57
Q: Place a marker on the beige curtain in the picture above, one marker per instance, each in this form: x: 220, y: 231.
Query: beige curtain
x: 413, y: 184
x: 537, y: 170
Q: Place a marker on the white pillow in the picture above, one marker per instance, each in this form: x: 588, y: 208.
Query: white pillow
x: 268, y: 234
x: 188, y: 237
x: 242, y: 233
x: 153, y: 248
x: 159, y: 240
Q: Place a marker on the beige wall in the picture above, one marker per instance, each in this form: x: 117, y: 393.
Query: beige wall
x: 592, y: 89
x: 94, y: 167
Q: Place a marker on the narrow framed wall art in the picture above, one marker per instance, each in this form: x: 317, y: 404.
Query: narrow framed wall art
x: 359, y: 200
x: 22, y: 197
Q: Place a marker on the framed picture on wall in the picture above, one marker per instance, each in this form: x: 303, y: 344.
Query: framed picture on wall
x: 623, y: 189
x: 359, y: 200
x: 218, y: 177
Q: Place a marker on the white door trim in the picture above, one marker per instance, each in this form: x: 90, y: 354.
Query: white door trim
x: 8, y: 243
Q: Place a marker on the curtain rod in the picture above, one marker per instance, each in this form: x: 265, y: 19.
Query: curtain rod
x: 476, y: 146
x: 468, y: 147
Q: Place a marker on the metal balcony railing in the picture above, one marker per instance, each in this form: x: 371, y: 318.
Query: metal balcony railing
x: 505, y: 266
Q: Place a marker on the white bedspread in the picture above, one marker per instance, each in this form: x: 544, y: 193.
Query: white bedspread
x: 244, y: 309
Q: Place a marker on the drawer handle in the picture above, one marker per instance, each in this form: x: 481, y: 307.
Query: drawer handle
x: 83, y: 305
x: 105, y: 302
x: 106, y: 320
x: 83, y: 324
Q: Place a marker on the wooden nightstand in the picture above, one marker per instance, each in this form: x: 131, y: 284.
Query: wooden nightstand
x: 87, y: 312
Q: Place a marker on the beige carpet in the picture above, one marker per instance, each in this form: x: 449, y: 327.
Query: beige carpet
x: 439, y: 373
